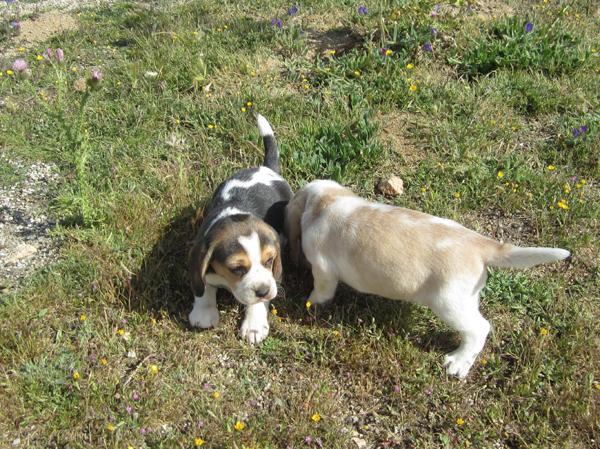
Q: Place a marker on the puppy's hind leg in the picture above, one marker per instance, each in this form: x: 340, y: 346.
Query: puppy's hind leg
x: 463, y: 315
x: 324, y: 287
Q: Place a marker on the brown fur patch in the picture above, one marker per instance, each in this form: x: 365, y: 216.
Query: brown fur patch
x: 328, y: 197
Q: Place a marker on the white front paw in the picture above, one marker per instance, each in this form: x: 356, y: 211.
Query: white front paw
x: 204, y: 316
x: 458, y: 364
x: 254, y: 329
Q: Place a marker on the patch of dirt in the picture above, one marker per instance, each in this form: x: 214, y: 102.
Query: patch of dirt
x: 392, y: 133
x: 39, y: 29
x: 515, y: 228
x: 491, y: 9
x: 25, y: 223
x: 341, y: 39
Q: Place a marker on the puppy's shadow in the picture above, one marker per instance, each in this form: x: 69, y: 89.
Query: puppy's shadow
x: 162, y: 285
x: 358, y: 311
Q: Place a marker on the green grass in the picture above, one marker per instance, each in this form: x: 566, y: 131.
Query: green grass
x: 139, y: 157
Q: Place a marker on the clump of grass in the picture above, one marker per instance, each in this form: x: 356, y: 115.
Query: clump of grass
x: 520, y: 45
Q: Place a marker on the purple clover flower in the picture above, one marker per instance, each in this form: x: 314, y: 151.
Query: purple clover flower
x: 528, y: 27
x: 427, y: 47
x: 362, y: 9
x: 293, y: 10
x: 436, y: 9
x: 60, y: 54
x: 582, y: 130
x: 96, y: 77
x: 129, y: 409
x: 135, y: 396
x: 20, y: 65
x: 308, y: 440
x: 277, y: 23
x: 15, y: 25
x: 434, y: 31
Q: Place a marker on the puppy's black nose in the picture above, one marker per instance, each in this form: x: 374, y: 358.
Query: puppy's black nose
x: 261, y: 293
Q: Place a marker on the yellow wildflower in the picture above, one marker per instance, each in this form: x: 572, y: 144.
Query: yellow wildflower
x: 39, y: 57
x: 76, y: 375
x: 198, y: 442
x: 460, y: 422
x: 484, y: 361
x: 544, y: 331
x: 249, y: 104
x: 457, y: 195
x: 331, y: 52
x: 563, y: 204
x: 73, y: 69
x: 389, y: 52
x: 597, y: 386
x: 21, y: 49
x: 154, y: 369
x: 413, y: 87
x: 410, y: 66
x: 216, y: 394
x: 83, y: 316
x: 211, y: 126
x: 308, y: 304
x: 274, y: 311
x: 500, y: 174
x: 567, y: 188
x: 110, y: 427
x: 104, y: 361
x: 121, y: 332
x: 357, y: 73
x: 9, y: 72
x: 551, y: 167
x: 316, y: 417
x: 243, y: 109
x: 239, y: 426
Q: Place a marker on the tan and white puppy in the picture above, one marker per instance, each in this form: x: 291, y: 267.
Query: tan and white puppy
x: 399, y: 253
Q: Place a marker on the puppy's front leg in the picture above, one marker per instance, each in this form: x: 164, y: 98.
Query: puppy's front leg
x: 325, y: 284
x: 255, y: 327
x: 205, y: 313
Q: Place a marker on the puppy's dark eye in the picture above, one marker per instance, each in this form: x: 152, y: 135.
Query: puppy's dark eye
x: 240, y: 271
x: 268, y: 262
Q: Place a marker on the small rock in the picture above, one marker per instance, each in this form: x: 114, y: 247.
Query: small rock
x: 360, y: 443
x: 23, y: 251
x: 391, y: 187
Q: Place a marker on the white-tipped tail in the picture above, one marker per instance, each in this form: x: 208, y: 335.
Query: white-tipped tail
x: 517, y: 257
x: 264, y: 128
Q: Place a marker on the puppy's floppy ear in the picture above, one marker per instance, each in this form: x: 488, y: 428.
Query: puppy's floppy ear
x: 277, y: 268
x: 292, y: 226
x: 200, y: 256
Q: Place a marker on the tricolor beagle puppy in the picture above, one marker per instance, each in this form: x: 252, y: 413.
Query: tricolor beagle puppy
x: 238, y: 247
x: 399, y: 253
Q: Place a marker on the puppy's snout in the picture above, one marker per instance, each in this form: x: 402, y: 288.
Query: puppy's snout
x: 262, y: 291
